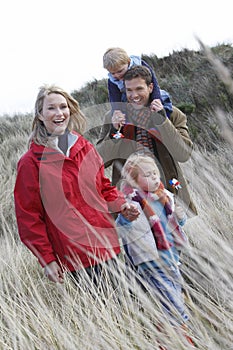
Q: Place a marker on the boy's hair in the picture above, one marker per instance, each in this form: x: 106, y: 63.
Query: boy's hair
x: 134, y: 164
x: 115, y: 57
x: 139, y: 72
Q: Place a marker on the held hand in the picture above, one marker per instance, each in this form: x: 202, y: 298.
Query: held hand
x: 118, y: 119
x: 54, y: 272
x: 156, y: 105
x: 130, y: 211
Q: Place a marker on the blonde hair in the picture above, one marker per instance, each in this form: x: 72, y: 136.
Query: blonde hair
x: 77, y: 119
x: 134, y: 165
x: 115, y: 57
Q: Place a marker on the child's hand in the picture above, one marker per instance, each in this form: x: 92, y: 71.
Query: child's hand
x: 179, y: 212
x: 156, y: 105
x: 130, y: 211
x: 118, y: 119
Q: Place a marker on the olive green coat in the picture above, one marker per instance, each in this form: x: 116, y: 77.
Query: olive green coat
x: 174, y: 146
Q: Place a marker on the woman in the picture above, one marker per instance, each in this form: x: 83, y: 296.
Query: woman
x: 62, y: 198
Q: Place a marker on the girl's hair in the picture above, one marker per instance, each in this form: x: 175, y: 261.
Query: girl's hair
x: 134, y: 165
x: 115, y: 57
x: 77, y: 119
x: 139, y: 72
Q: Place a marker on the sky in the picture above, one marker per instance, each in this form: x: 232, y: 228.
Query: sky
x: 63, y: 42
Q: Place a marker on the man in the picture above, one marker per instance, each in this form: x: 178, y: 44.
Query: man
x: 145, y: 128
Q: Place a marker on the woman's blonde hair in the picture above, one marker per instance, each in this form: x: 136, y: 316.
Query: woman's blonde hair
x: 77, y: 119
x: 115, y: 57
x: 134, y: 165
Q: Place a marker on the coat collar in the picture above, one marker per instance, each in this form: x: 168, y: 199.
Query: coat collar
x: 48, y: 154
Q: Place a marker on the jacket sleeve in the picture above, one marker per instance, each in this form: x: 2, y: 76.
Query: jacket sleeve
x: 122, y: 221
x: 174, y: 134
x: 106, y: 127
x: 104, y: 145
x: 114, y: 198
x: 156, y: 90
x: 30, y: 213
x: 115, y: 96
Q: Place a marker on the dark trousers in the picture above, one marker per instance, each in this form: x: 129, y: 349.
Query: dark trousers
x: 102, y: 279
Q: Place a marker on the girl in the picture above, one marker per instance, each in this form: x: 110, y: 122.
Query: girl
x: 152, y: 242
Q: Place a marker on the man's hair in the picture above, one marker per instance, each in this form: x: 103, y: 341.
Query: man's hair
x: 138, y: 72
x: 115, y: 57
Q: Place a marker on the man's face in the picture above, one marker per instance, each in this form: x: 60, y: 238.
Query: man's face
x: 138, y: 92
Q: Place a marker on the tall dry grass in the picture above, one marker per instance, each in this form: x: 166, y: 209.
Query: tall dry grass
x: 37, y: 314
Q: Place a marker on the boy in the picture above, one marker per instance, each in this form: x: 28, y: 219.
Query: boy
x: 117, y: 62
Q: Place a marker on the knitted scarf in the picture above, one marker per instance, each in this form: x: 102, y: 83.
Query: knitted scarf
x: 140, y: 118
x: 144, y: 198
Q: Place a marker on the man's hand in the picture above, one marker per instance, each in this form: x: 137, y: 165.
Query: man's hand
x: 54, y: 272
x: 118, y: 119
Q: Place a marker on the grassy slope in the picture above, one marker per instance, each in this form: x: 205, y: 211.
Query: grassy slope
x: 36, y: 314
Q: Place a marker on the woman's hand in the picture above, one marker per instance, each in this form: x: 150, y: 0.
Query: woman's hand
x: 54, y: 272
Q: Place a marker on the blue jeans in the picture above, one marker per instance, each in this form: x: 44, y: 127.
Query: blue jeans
x: 166, y: 285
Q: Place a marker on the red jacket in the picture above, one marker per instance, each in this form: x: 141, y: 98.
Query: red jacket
x: 62, y: 205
